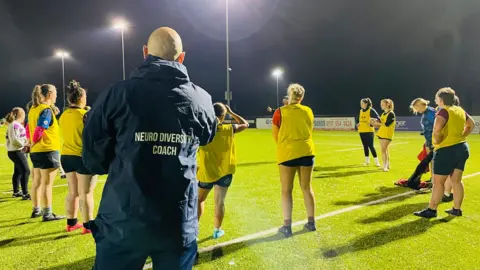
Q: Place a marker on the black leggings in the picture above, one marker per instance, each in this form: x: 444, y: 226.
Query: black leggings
x: 367, y: 141
x: 21, y: 171
x: 414, y: 180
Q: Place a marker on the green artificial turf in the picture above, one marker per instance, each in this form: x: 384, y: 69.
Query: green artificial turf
x: 379, y: 236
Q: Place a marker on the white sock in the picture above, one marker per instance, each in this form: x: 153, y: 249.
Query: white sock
x: 376, y: 160
x: 367, y: 159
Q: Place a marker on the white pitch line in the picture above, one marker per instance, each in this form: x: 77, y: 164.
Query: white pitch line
x: 324, y: 216
x: 298, y: 223
x: 359, y: 148
x: 62, y: 185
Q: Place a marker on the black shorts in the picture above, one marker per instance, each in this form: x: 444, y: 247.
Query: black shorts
x: 300, y: 162
x: 45, y: 160
x: 383, y: 138
x: 225, y: 181
x: 446, y: 160
x: 74, y: 164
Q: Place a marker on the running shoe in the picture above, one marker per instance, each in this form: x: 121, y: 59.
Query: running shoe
x: 217, y: 233
x: 74, y: 227
x: 52, y: 217
x: 286, y: 231
x: 26, y: 197
x: 17, y: 194
x: 86, y: 231
x: 37, y: 214
x: 402, y: 183
x: 63, y: 176
x: 426, y: 213
x: 454, y: 212
x: 447, y: 198
x: 310, y: 226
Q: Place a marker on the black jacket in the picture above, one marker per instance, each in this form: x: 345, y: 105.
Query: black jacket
x: 144, y: 132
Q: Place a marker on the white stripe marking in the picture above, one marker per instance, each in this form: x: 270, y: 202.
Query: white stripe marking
x: 359, y: 148
x: 63, y: 185
x: 324, y: 216
x: 298, y: 223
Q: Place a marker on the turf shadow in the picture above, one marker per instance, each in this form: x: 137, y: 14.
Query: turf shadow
x: 221, y: 251
x: 382, y: 192
x: 205, y: 240
x: 10, y: 220
x: 251, y: 164
x: 345, y: 174
x: 17, y: 224
x: 84, y: 264
x: 35, y: 239
x: 333, y: 168
x: 393, y: 214
x: 385, y: 236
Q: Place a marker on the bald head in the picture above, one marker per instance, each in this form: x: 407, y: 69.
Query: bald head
x: 166, y: 44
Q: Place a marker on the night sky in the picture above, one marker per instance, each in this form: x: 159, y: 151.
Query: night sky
x: 340, y: 50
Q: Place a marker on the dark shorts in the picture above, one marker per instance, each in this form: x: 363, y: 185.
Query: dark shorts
x: 45, y: 160
x: 225, y: 182
x: 74, y: 164
x: 384, y: 138
x: 300, y: 162
x: 446, y: 160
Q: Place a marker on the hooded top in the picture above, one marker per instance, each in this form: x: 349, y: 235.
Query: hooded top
x: 144, y: 132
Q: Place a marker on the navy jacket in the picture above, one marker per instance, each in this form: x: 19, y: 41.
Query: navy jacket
x: 144, y: 132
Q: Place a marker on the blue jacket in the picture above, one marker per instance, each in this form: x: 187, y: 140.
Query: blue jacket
x: 144, y: 132
x: 427, y: 121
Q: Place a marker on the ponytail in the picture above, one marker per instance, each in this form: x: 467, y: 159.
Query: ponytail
x: 10, y: 117
x: 36, y: 96
x: 13, y: 115
x: 75, y: 93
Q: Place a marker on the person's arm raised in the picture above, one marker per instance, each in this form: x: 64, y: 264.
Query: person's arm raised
x: 242, y: 124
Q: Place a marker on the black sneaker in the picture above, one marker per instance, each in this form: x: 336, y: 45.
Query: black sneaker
x: 454, y: 212
x: 63, y: 176
x: 36, y: 214
x: 286, y: 231
x: 17, y: 194
x: 447, y: 198
x: 52, y: 217
x: 26, y: 197
x: 426, y: 213
x: 310, y: 226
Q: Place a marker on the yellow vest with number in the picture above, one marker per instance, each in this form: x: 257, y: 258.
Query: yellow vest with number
x: 364, y: 121
x: 295, y: 135
x: 385, y: 132
x: 50, y: 140
x: 452, y: 132
x: 218, y: 158
x: 71, y: 125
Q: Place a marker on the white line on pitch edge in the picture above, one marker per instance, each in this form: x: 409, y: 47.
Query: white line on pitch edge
x: 359, y: 148
x: 62, y: 185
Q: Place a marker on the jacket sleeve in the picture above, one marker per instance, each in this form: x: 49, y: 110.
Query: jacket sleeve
x: 99, y: 135
x: 210, y: 126
x: 374, y: 114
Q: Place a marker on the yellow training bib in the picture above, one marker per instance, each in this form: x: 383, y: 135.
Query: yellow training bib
x: 385, y: 132
x: 452, y: 132
x: 295, y: 135
x: 364, y: 121
x: 71, y: 125
x: 50, y: 140
x: 218, y: 158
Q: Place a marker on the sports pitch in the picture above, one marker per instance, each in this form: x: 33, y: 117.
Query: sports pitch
x: 364, y: 221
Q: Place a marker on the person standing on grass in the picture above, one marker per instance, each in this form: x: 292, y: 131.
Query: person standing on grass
x: 16, y: 141
x: 386, y: 130
x: 145, y: 132
x: 81, y: 183
x: 45, y: 145
x: 292, y: 132
x: 451, y: 128
x: 284, y: 102
x: 366, y: 129
x: 217, y: 164
x: 63, y: 175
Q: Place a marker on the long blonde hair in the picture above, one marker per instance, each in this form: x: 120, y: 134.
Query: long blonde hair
x: 389, y: 103
x: 417, y: 101
x: 40, y: 93
x: 296, y: 92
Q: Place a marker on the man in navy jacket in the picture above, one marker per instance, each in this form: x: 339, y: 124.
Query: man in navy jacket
x: 144, y: 132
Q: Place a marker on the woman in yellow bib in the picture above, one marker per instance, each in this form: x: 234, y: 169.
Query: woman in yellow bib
x: 81, y: 183
x: 366, y: 129
x: 451, y: 152
x: 217, y: 164
x: 292, y: 131
x: 44, y: 147
x: 386, y: 130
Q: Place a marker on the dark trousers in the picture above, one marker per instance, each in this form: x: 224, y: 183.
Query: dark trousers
x: 21, y: 171
x: 415, y: 178
x: 133, y: 257
x: 367, y: 141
